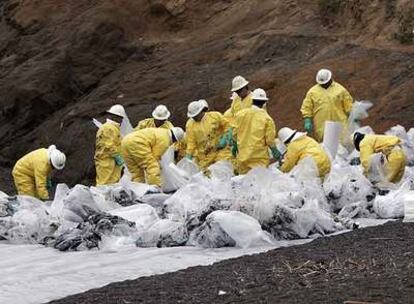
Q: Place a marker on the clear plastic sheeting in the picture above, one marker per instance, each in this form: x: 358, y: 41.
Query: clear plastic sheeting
x: 392, y: 204
x: 229, y: 228
x: 359, y: 111
x: 172, y: 177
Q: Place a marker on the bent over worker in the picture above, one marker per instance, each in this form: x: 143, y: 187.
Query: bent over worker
x: 204, y: 133
x: 108, y: 159
x: 255, y: 133
x: 299, y: 146
x: 142, y: 151
x: 32, y: 172
x: 389, y: 146
x: 159, y: 119
x: 325, y: 101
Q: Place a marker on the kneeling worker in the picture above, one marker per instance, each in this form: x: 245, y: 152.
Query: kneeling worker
x: 205, y: 132
x: 300, y: 146
x: 159, y: 119
x: 142, y: 151
x: 254, y: 134
x: 368, y: 145
x: 32, y: 172
x: 108, y: 159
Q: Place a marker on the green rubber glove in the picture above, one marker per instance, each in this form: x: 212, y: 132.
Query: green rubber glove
x: 119, y: 161
x: 222, y: 142
x: 189, y: 157
x: 230, y: 136
x: 234, y: 149
x: 49, y: 184
x: 308, y: 124
x: 275, y: 153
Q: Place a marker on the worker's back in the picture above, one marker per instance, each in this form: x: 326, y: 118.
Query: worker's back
x: 149, y: 140
x: 255, y: 131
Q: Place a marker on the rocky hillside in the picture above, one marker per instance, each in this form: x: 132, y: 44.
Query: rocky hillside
x: 64, y: 62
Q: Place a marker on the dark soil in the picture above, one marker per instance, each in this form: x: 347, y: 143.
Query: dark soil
x: 372, y: 265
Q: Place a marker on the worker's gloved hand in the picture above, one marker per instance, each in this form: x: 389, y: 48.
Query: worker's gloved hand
x: 230, y: 137
x: 308, y: 125
x: 49, y: 184
x: 275, y: 153
x: 234, y: 149
x: 189, y: 157
x: 119, y: 161
x: 222, y: 142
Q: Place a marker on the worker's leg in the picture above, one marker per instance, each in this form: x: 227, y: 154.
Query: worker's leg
x: 107, y: 172
x: 132, y: 163
x: 396, y: 165
x: 25, y: 185
x: 153, y: 170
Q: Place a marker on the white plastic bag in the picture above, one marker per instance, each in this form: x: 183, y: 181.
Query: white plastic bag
x: 359, y: 111
x: 188, y: 166
x: 172, y: 177
x: 221, y: 170
x: 331, y: 137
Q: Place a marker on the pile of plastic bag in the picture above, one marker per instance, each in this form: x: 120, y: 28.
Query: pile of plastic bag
x: 216, y: 211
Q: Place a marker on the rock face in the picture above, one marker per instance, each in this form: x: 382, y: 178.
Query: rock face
x: 63, y: 63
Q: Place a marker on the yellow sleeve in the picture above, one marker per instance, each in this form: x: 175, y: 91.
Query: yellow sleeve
x: 168, y: 125
x: 347, y: 101
x: 290, y: 159
x: 191, y: 140
x: 108, y: 139
x: 141, y: 125
x: 41, y: 172
x: 270, y: 132
x: 364, y: 155
x: 307, y: 105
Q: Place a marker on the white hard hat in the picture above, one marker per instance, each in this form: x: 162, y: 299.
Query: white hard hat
x: 57, y: 158
x: 178, y: 133
x: 286, y: 133
x: 238, y: 83
x: 323, y: 76
x: 259, y: 94
x: 195, y: 108
x: 204, y: 102
x: 117, y: 110
x: 161, y: 113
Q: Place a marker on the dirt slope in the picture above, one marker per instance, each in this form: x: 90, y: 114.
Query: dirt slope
x: 64, y: 62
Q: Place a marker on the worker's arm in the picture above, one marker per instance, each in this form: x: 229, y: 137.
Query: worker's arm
x: 109, y: 138
x: 290, y: 160
x: 143, y: 124
x: 191, y: 140
x: 307, y: 106
x: 41, y: 172
x: 347, y: 101
x: 365, y: 153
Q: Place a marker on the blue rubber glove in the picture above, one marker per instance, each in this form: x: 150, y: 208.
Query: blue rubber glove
x: 234, y: 149
x: 49, y: 184
x: 275, y: 153
x: 119, y: 161
x: 189, y: 157
x: 308, y: 124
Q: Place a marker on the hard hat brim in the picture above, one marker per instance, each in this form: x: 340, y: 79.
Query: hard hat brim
x: 157, y: 117
x: 116, y: 114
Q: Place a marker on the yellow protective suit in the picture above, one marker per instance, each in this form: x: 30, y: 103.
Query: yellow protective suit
x: 334, y: 104
x: 389, y: 146
x: 150, y: 123
x: 203, y: 137
x: 142, y: 151
x: 254, y: 131
x: 303, y: 147
x: 31, y: 172
x: 239, y: 104
x: 108, y: 145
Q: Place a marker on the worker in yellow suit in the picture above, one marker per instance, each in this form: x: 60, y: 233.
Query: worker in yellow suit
x: 241, y: 98
x: 206, y: 135
x: 32, y: 172
x: 108, y: 159
x: 299, y: 146
x: 254, y: 134
x: 326, y: 101
x: 142, y: 151
x: 159, y: 119
x: 389, y: 146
